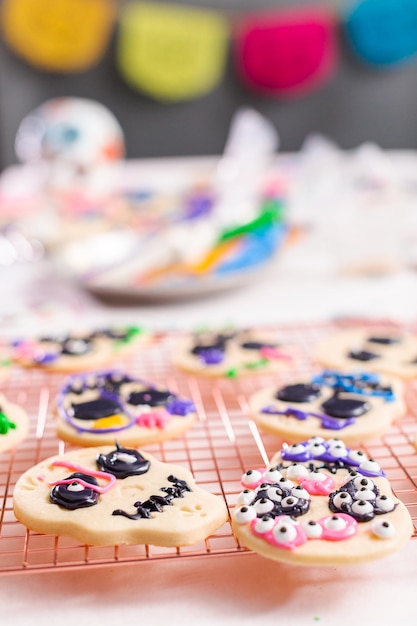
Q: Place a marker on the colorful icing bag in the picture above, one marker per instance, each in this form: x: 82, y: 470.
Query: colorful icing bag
x: 170, y: 52
x: 288, y: 52
x: 58, y: 35
x: 383, y: 32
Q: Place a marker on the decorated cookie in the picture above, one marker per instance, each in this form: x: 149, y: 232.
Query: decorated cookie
x: 233, y: 353
x: 113, y: 495
x: 388, y: 351
x: 14, y: 424
x: 76, y: 351
x: 357, y: 405
x: 320, y: 503
x: 97, y: 408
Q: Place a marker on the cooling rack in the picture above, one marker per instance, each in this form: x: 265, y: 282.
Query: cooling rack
x: 221, y: 446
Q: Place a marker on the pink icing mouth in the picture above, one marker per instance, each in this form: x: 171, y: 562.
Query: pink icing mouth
x: 153, y: 419
x: 318, y: 487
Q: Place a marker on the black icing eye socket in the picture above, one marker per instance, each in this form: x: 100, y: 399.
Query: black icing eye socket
x: 152, y: 397
x: 256, y: 345
x: 344, y: 408
x: 384, y: 341
x: 95, y: 409
x: 363, y: 355
x: 75, y: 347
x: 299, y: 393
x: 75, y: 495
x: 123, y: 463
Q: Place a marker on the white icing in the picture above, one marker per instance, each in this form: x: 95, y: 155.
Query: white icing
x: 383, y: 529
x: 245, y: 514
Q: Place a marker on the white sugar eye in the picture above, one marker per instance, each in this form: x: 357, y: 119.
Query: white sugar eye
x: 350, y: 477
x: 284, y: 483
x: 125, y: 457
x: 370, y: 466
x: 289, y: 502
x: 297, y: 448
x: 362, y: 481
x: 264, y: 525
x: 75, y: 487
x: 273, y: 475
x: 335, y: 523
x: 316, y: 449
x: 383, y: 529
x: 335, y: 441
x: 316, y: 440
x: 297, y: 471
x: 342, y: 498
x: 299, y: 492
x: 312, y: 529
x: 357, y: 456
x: 364, y: 494
x: 317, y: 476
x: 284, y: 532
x: 384, y: 503
x: 362, y: 507
x: 337, y: 451
x: 263, y: 506
x: 274, y: 494
x: 246, y: 496
x: 245, y: 514
x: 251, y: 477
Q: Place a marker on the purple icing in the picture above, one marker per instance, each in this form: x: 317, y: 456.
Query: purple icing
x: 180, y: 407
x: 48, y: 357
x: 211, y: 356
x: 326, y: 421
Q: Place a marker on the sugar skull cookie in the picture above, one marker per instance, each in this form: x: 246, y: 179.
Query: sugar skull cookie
x: 113, y: 495
x: 320, y: 503
x: 358, y: 405
x: 382, y: 350
x: 14, y: 424
x: 97, y: 408
x: 77, y: 351
x: 233, y: 353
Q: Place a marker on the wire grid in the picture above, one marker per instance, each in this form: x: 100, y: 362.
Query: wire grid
x: 222, y: 445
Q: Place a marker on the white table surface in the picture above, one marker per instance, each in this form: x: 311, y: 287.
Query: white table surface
x: 240, y: 589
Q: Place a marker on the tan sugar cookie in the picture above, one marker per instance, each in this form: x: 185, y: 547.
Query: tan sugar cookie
x: 320, y: 503
x: 77, y: 351
x: 233, y: 353
x: 97, y: 408
x: 381, y: 350
x: 110, y: 496
x: 357, y: 405
x: 14, y: 424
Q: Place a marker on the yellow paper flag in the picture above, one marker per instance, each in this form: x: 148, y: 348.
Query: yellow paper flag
x: 171, y: 52
x: 58, y: 35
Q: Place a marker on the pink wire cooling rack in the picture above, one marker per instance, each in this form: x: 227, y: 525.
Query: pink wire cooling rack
x: 220, y: 447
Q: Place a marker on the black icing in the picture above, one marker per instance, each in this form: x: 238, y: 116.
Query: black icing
x: 72, y: 500
x: 299, y: 393
x: 95, y: 409
x: 155, y: 503
x: 363, y: 355
x: 113, y: 381
x: 299, y: 506
x: 153, y: 397
x: 113, y: 463
x: 354, y: 492
x: 218, y: 343
x: 344, y: 408
x: 384, y: 341
x: 256, y: 345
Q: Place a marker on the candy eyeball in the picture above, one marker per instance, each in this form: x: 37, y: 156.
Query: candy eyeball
x: 285, y: 532
x: 337, y: 451
x: 274, y: 494
x: 284, y: 483
x: 316, y: 476
x: 273, y: 475
x: 312, y: 529
x: 296, y: 448
x: 316, y: 449
x: 370, y: 466
x: 334, y: 522
x: 263, y: 506
x: 357, y: 456
x: 246, y: 497
x: 297, y: 471
x: 364, y: 494
x: 334, y: 441
x: 289, y: 502
x: 362, y: 507
x: 316, y: 440
x: 300, y: 492
x: 363, y: 481
x: 264, y: 525
x: 251, y: 477
x: 245, y: 514
x: 350, y: 477
x: 342, y: 499
x: 383, y: 529
x: 385, y: 504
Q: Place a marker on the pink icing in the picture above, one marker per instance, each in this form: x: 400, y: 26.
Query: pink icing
x: 298, y: 540
x: 267, y: 352
x: 318, y: 487
x: 153, y: 419
x: 350, y: 529
x: 78, y: 468
x: 29, y: 349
